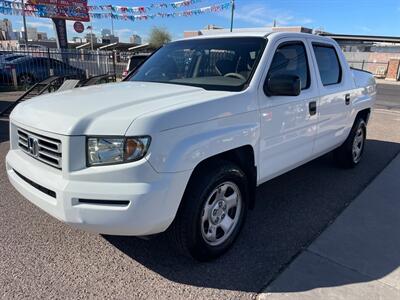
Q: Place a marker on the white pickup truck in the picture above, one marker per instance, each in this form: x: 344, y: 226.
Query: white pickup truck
x: 182, y: 144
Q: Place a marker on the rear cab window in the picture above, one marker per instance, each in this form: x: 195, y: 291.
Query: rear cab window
x: 328, y: 63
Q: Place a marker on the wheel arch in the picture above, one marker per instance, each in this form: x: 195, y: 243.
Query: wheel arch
x: 243, y: 157
x: 364, y: 114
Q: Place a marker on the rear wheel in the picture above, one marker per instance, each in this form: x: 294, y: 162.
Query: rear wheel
x: 212, y: 212
x: 350, y: 153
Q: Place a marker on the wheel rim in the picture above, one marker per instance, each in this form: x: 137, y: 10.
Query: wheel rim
x: 221, y: 213
x: 25, y: 80
x: 358, y: 144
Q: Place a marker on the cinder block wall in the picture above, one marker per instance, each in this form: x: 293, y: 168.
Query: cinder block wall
x: 374, y: 62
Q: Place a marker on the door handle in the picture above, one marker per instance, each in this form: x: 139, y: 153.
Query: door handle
x: 347, y: 99
x: 312, y: 107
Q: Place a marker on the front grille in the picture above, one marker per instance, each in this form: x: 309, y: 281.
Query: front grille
x: 45, y: 149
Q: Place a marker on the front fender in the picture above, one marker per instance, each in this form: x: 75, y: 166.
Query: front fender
x: 182, y: 149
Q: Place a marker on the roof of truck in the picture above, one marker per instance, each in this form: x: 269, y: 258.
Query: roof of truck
x: 264, y: 34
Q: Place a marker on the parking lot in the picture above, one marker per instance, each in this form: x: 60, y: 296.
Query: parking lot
x: 41, y: 257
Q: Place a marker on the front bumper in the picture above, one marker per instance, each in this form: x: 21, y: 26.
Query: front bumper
x: 152, y: 204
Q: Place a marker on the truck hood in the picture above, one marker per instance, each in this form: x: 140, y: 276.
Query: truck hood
x: 106, y: 109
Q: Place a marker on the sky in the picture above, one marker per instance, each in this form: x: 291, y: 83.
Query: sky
x: 364, y: 17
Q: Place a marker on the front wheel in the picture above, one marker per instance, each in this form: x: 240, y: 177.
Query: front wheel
x: 350, y: 153
x: 212, y: 213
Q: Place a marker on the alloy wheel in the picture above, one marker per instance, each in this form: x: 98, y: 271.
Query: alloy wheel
x: 221, y: 213
x: 358, y: 144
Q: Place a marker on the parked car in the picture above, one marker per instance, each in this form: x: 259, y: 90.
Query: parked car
x: 2, y: 52
x: 30, y: 70
x: 9, y: 57
x: 134, y: 62
x: 182, y: 145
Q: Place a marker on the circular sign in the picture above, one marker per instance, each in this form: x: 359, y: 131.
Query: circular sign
x: 79, y: 27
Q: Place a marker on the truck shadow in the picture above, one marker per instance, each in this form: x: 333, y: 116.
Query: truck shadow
x: 291, y: 211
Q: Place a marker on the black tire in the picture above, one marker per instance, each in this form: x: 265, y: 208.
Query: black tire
x: 186, y: 232
x: 344, y: 155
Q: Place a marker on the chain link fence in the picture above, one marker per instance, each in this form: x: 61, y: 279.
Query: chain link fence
x: 20, y: 69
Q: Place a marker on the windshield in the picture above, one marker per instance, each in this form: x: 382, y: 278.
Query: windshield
x: 213, y: 64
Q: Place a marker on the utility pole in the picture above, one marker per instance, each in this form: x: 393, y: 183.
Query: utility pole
x: 112, y: 24
x: 24, y: 21
x: 232, y: 13
x: 91, y: 35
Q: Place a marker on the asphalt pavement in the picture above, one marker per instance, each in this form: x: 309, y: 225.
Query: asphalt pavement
x: 389, y: 94
x: 41, y: 257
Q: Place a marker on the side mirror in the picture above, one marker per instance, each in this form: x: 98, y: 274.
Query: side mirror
x: 282, y: 85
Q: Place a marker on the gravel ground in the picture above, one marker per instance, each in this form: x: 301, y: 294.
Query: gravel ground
x: 41, y: 257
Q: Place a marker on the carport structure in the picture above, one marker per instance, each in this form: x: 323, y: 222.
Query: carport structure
x: 118, y: 46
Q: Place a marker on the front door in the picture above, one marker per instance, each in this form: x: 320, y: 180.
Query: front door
x: 288, y: 123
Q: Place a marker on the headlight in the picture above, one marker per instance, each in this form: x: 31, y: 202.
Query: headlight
x: 105, y: 150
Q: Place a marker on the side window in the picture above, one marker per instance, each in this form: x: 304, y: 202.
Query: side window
x: 291, y: 58
x: 328, y: 64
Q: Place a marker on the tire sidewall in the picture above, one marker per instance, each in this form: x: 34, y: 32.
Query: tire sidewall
x: 197, y: 245
x: 361, y: 123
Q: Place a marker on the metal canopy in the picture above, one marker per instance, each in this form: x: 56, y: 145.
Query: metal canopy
x: 363, y: 38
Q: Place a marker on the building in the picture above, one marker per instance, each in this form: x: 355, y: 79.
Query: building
x: 77, y: 39
x: 89, y: 37
x: 105, y: 32
x: 136, y: 39
x: 9, y: 45
x: 32, y: 34
x: 42, y: 36
x: 6, y: 25
x: 109, y: 39
x: 6, y: 30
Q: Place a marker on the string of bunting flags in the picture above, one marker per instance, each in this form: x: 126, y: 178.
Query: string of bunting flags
x: 142, y: 9
x: 31, y: 10
x: 113, y: 8
x: 144, y: 17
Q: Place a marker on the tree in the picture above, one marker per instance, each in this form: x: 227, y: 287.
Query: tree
x: 159, y: 36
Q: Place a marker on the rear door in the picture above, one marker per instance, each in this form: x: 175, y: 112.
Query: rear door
x: 288, y: 123
x: 335, y: 99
